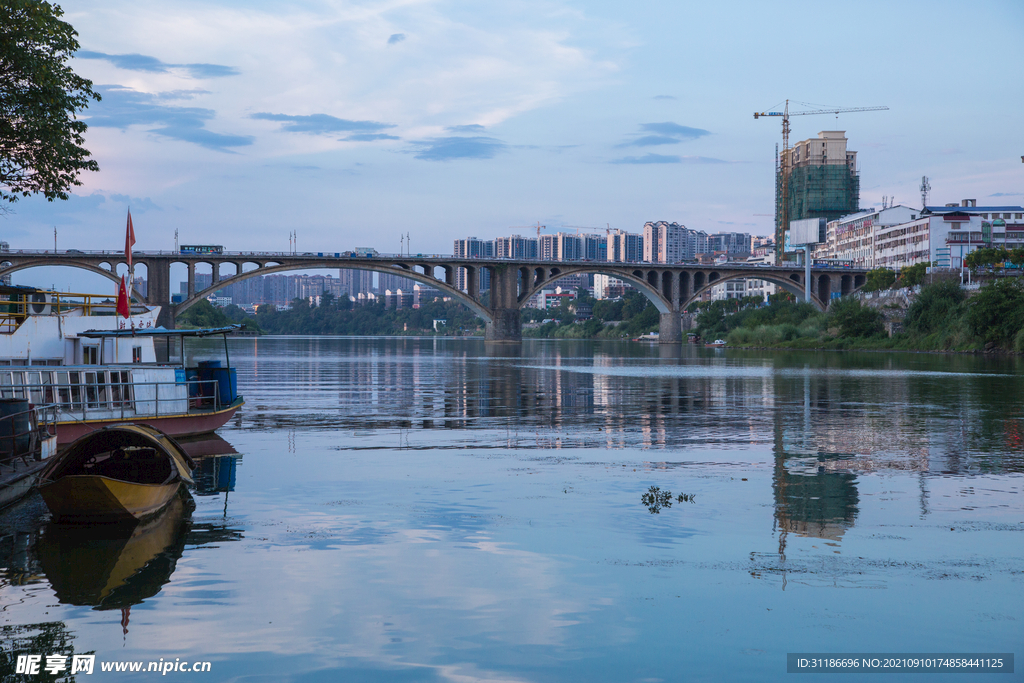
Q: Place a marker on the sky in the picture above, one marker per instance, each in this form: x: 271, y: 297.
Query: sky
x: 355, y: 123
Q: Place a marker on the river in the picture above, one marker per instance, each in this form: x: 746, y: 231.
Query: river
x: 406, y: 509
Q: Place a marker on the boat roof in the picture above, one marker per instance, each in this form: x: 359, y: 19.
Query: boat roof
x: 160, y: 332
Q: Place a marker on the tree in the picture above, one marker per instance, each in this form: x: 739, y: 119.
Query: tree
x: 853, y: 319
x: 996, y: 312
x: 40, y: 137
x: 879, y: 278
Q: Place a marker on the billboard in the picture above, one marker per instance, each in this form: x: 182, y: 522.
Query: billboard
x: 806, y: 231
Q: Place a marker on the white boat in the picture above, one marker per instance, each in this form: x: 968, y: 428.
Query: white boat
x: 73, y: 353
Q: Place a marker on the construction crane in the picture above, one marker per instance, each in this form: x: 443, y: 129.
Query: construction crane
x: 581, y: 227
x: 783, y: 213
x: 537, y: 227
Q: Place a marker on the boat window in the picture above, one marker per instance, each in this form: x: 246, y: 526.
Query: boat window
x: 91, y: 389
x: 136, y: 354
x: 121, y: 388
x: 90, y: 355
x: 35, y: 394
x: 74, y: 383
x: 63, y: 390
x: 46, y: 380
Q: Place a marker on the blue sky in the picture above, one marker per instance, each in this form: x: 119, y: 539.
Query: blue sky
x: 356, y: 122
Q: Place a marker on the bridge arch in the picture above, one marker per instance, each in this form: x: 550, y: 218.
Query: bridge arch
x: 41, y: 263
x: 647, y: 282
x: 790, y: 284
x: 411, y: 274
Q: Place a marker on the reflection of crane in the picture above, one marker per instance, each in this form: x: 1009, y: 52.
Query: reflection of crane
x: 782, y: 214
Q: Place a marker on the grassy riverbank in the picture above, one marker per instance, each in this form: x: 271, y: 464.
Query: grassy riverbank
x: 941, y: 318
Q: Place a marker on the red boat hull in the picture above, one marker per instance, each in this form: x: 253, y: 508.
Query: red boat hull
x: 174, y: 425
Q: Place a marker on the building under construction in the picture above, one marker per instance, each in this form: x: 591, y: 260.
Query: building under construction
x: 823, y: 180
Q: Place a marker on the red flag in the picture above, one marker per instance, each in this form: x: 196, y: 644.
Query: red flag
x: 129, y: 241
x: 124, y: 307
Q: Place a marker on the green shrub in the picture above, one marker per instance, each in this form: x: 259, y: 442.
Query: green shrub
x: 854, y: 319
x: 996, y: 312
x: 935, y: 307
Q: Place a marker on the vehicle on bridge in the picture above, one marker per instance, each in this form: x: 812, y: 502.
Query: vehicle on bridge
x: 201, y: 249
x: 92, y: 368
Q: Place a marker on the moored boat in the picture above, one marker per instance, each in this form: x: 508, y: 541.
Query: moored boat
x: 115, y: 474
x: 74, y: 352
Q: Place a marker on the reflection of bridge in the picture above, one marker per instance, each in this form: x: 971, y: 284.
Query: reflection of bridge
x: 670, y: 287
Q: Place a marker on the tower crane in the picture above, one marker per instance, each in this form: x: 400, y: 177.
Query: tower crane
x: 537, y: 227
x: 782, y: 213
x: 581, y: 227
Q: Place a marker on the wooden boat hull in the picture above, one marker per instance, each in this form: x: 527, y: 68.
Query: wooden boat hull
x: 172, y: 425
x: 79, y: 498
x: 117, y: 474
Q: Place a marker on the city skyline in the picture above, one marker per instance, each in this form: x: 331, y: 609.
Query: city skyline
x: 356, y: 124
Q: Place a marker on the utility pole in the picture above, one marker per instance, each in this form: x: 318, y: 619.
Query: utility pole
x: 55, y: 239
x: 176, y: 241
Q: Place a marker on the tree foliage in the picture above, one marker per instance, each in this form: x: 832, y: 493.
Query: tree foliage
x: 879, y: 278
x: 854, y: 319
x: 40, y: 136
x: 935, y: 307
x: 911, y: 276
x: 996, y: 312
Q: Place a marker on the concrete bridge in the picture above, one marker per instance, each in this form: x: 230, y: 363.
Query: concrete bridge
x: 670, y: 287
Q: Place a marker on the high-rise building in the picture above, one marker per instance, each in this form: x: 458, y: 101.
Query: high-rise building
x: 355, y: 282
x: 823, y: 180
x: 665, y: 242
x: 625, y: 247
x: 729, y: 243
x: 471, y: 247
x: 515, y: 247
x: 594, y: 247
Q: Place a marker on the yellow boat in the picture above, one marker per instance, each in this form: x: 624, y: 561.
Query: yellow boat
x: 115, y: 474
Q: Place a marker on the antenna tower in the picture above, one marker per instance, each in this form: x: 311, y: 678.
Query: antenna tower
x: 925, y: 189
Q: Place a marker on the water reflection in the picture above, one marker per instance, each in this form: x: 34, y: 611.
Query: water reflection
x: 950, y: 415
x: 812, y: 501
x: 112, y: 566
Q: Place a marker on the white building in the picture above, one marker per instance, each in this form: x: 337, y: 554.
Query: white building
x: 608, y: 287
x: 852, y: 238
x: 944, y: 235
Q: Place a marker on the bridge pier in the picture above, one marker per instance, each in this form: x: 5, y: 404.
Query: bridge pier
x: 670, y: 329
x: 506, y: 323
x: 159, y: 291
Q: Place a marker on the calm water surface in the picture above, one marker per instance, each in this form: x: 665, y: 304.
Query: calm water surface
x: 445, y: 510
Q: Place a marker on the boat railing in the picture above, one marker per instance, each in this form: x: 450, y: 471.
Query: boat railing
x: 124, y: 399
x: 21, y: 432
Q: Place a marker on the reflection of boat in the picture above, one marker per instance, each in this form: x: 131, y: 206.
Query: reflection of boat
x: 216, y: 462
x: 72, y: 351
x: 116, y: 473
x: 114, y: 566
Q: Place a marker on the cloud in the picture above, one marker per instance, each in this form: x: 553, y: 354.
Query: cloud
x: 666, y: 133
x: 137, y: 62
x: 396, y: 38
x: 470, y: 128
x: 649, y: 159
x: 1006, y: 194
x: 137, y: 204
x: 321, y: 123
x: 667, y: 159
x: 664, y: 97
x: 122, y: 107
x: 445, y: 149
x: 370, y: 137
x: 649, y: 140
x: 675, y: 130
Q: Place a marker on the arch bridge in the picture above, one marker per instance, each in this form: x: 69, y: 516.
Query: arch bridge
x: 670, y: 287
